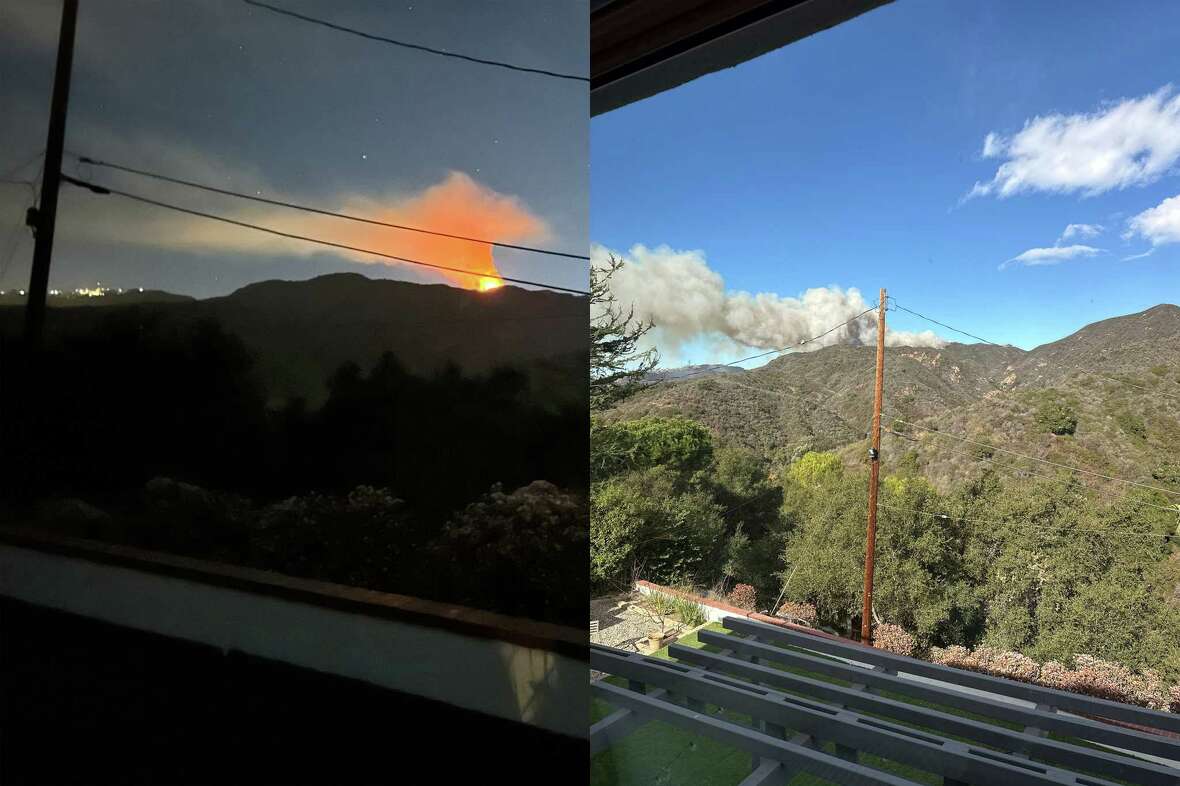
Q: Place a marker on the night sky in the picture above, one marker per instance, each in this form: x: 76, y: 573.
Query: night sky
x: 220, y: 92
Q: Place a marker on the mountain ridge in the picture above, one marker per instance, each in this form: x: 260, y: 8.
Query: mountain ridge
x: 1120, y: 376
x: 300, y: 332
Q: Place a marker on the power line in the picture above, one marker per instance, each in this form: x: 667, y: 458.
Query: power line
x: 12, y: 172
x: 15, y: 236
x: 780, y: 350
x: 417, y: 47
x: 1034, y: 528
x: 1034, y: 458
x: 320, y: 211
x: 943, y: 324
x: 136, y: 197
x: 1066, y: 365
x: 1022, y: 471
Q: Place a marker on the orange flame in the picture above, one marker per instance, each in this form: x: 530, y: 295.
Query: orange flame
x: 459, y: 206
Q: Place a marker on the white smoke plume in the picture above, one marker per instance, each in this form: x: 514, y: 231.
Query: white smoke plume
x: 687, y: 300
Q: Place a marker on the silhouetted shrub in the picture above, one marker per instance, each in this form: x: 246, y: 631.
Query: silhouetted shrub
x: 522, y: 548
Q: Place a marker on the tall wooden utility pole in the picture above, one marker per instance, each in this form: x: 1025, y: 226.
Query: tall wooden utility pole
x: 45, y: 216
x: 866, y: 620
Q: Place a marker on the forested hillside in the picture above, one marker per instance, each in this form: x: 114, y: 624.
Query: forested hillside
x: 1107, y: 397
x: 988, y: 535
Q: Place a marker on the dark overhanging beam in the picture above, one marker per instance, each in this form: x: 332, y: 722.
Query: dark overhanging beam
x: 639, y: 48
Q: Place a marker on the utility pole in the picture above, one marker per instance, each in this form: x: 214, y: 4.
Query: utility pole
x: 44, y: 217
x: 866, y: 620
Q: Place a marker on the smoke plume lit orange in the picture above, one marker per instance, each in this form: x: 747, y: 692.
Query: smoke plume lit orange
x: 460, y: 206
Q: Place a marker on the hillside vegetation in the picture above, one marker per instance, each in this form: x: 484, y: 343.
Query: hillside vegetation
x: 1118, y: 379
x: 760, y: 478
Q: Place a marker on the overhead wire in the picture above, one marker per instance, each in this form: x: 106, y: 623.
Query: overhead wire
x: 1034, y: 528
x: 1081, y: 470
x: 713, y: 366
x: 1066, y: 365
x: 100, y: 189
x: 418, y: 47
x: 320, y: 211
x: 12, y: 173
x: 16, y: 235
x: 1019, y: 471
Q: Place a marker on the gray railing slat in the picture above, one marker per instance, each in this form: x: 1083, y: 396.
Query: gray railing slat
x: 924, y: 750
x: 1084, y: 728
x: 1063, y: 754
x: 1062, y: 700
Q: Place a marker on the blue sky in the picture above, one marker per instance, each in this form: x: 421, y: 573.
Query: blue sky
x: 844, y: 160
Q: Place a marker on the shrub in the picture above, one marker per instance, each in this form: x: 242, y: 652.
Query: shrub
x: 520, y: 548
x: 689, y: 611
x: 797, y: 612
x: 893, y: 638
x: 1012, y: 665
x: 1114, y: 681
x: 954, y: 655
x: 1131, y: 423
x: 813, y: 468
x: 677, y: 443
x: 1056, y: 418
x: 1091, y: 676
x: 743, y: 596
x: 659, y: 603
x: 358, y: 538
x: 1168, y: 471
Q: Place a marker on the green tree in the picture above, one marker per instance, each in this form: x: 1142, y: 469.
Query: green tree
x: 1056, y: 417
x: 677, y: 443
x: 752, y: 502
x: 919, y: 581
x: 1061, y: 573
x: 814, y: 469
x: 652, y: 521
x: 617, y: 366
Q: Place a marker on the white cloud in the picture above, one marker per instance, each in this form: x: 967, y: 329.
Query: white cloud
x: 1159, y: 224
x: 1125, y: 143
x: 689, y: 303
x: 1081, y: 230
x: 1050, y: 256
x: 993, y: 145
